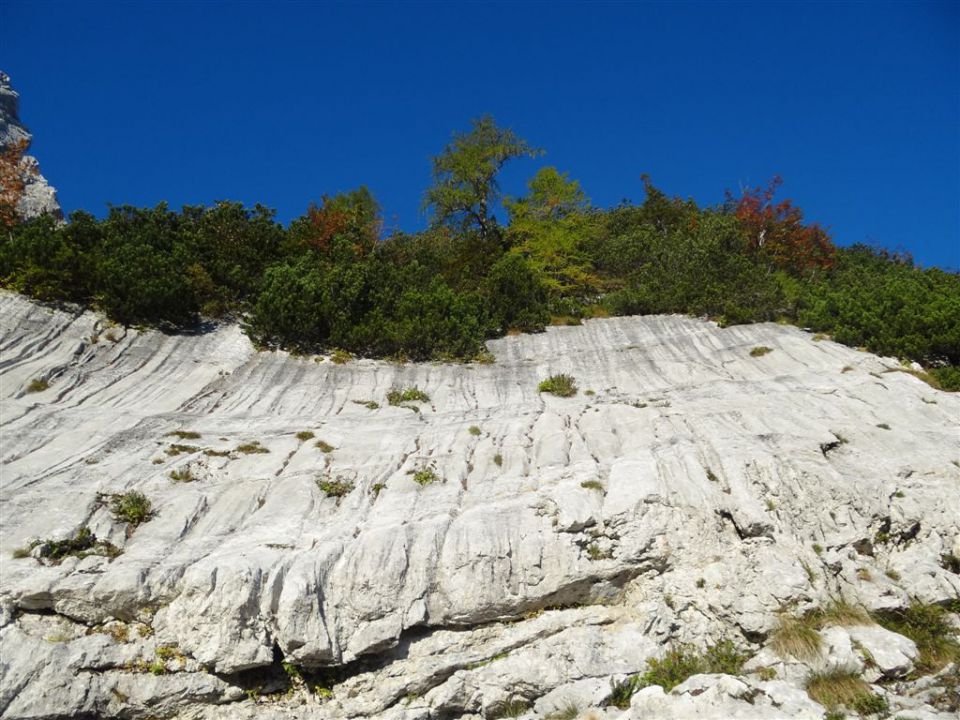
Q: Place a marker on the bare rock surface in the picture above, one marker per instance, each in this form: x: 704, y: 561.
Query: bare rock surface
x: 38, y: 196
x: 688, y: 493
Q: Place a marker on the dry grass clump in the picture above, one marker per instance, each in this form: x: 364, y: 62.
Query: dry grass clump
x: 840, y: 686
x: 252, y: 448
x: 796, y: 637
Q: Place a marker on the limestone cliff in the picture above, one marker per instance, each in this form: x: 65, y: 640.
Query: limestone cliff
x: 38, y: 196
x: 315, y: 552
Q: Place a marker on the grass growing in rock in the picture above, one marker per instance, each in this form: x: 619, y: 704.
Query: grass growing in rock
x: 929, y: 627
x: 592, y: 485
x: 81, y: 545
x: 305, y: 435
x: 425, y: 476
x: 760, y: 351
x: 335, y: 488
x: 839, y: 686
x: 178, y: 449
x: 252, y: 448
x: 498, y: 460
x: 185, y: 434
x: 678, y: 663
x: 568, y: 711
x: 398, y: 396
x: 37, y: 385
x: 559, y: 385
x: 324, y: 446
x: 131, y: 507
x: 368, y: 404
x: 474, y: 430
x: 182, y: 476
x: 796, y: 637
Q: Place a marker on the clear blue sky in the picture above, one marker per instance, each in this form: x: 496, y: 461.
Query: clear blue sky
x: 856, y: 105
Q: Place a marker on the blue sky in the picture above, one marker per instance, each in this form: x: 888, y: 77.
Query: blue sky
x: 856, y: 106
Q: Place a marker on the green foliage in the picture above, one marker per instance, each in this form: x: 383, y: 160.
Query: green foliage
x: 760, y: 351
x: 592, y: 485
x: 331, y: 283
x: 929, y: 627
x: 677, y: 664
x: 465, y: 186
x: 335, y: 488
x: 560, y: 385
x: 425, y: 476
x: 837, y: 686
x: 474, y: 430
x: 82, y: 544
x: 305, y: 435
x: 398, y: 396
x: 131, y: 507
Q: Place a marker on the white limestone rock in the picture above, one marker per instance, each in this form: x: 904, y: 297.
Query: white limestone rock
x: 497, y: 583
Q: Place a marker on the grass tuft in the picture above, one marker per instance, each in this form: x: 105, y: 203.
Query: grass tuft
x: 335, y: 488
x: 425, y: 476
x: 839, y: 686
x: 184, y: 434
x: 305, y: 435
x: 559, y: 385
x: 37, y: 385
x: 324, y: 446
x: 760, y: 351
x: 131, y: 507
x: 929, y: 627
x: 251, y: 448
x: 796, y: 637
x: 398, y: 396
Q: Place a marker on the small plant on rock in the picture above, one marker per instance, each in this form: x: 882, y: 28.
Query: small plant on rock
x: 324, y: 446
x: 183, y: 475
x: 131, y: 507
x: 37, y: 385
x: 840, y: 686
x: 252, y: 448
x: 760, y: 351
x: 592, y: 485
x: 304, y: 435
x: 559, y: 385
x: 474, y: 430
x: 184, y: 434
x: 335, y: 488
x: 398, y: 396
x: 425, y: 476
x: 796, y: 637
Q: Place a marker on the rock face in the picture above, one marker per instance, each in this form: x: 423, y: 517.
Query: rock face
x: 38, y: 197
x: 489, y: 550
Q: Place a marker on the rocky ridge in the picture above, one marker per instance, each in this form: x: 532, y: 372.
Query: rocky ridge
x: 38, y: 196
x: 315, y: 552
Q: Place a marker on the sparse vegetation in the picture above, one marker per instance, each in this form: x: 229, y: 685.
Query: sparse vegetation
x: 929, y: 627
x: 817, y: 548
x: 305, y: 435
x: 182, y: 475
x: 368, y: 404
x: 178, y: 449
x: 210, y: 452
x: 701, y: 583
x: 376, y: 488
x: 425, y: 476
x: 760, y: 351
x: 131, y: 507
x: 510, y: 709
x: 560, y: 385
x: 340, y: 356
x: 883, y: 426
x: 593, y: 485
x: 474, y: 430
x: 251, y: 448
x: 37, y: 385
x: 82, y: 544
x: 398, y: 396
x: 324, y: 446
x: 335, y: 487
x: 712, y: 476
x: 841, y: 687
x: 677, y: 664
x: 567, y: 711
x: 184, y: 434
x: 498, y: 460
x: 797, y: 638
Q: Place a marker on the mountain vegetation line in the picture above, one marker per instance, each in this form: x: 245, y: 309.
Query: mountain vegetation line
x: 334, y: 279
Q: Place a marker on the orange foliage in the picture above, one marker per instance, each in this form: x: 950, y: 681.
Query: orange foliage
x: 777, y: 231
x: 12, y: 182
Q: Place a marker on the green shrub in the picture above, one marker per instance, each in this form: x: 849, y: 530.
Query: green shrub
x: 336, y: 488
x: 425, y: 476
x: 560, y: 385
x: 398, y: 396
x: 82, y: 544
x: 131, y: 507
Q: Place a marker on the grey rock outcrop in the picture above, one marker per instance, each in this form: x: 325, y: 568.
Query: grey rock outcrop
x: 38, y: 196
x: 555, y: 546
